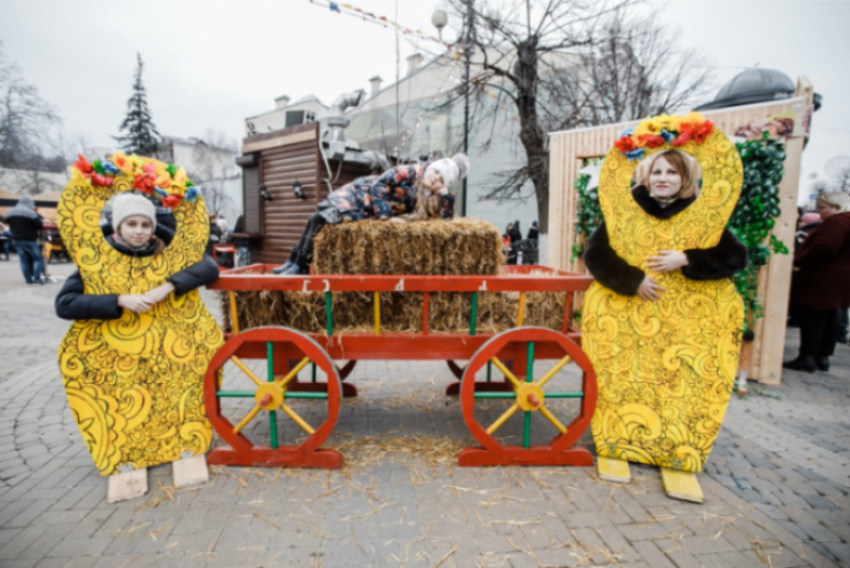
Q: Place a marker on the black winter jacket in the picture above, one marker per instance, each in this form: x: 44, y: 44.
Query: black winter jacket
x: 73, y: 303
x: 24, y: 228
x: 721, y: 261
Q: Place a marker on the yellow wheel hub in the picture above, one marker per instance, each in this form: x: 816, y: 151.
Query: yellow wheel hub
x: 530, y: 397
x: 269, y: 396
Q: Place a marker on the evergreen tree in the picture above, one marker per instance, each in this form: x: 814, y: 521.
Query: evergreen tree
x: 142, y: 137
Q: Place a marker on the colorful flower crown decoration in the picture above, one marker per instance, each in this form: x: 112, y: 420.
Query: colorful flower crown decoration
x: 145, y: 174
x: 657, y: 131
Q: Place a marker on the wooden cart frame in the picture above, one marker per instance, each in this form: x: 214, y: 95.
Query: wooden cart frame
x: 288, y: 351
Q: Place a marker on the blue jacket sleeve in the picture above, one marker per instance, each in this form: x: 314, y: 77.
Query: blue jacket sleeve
x: 73, y: 303
x: 199, y: 274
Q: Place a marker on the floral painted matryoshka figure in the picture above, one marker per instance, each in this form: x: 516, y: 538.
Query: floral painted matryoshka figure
x: 662, y: 323
x: 134, y: 359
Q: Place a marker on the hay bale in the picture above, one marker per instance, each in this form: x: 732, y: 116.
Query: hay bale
x: 465, y: 247
x: 460, y: 247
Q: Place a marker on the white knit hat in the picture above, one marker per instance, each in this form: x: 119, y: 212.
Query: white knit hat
x: 451, y: 168
x: 129, y: 204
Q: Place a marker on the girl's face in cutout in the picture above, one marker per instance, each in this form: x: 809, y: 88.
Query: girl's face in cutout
x: 136, y: 230
x: 432, y: 179
x: 664, y: 180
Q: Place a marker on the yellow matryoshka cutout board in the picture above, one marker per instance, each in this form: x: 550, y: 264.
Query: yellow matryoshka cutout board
x: 665, y: 369
x: 135, y: 384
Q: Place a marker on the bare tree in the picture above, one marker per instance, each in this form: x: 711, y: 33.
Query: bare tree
x: 26, y: 120
x: 566, y: 64
x: 841, y: 180
x: 212, y: 163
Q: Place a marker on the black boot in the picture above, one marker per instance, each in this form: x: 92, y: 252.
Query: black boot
x: 822, y: 363
x: 805, y: 363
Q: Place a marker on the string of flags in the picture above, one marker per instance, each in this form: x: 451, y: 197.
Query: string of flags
x: 350, y: 10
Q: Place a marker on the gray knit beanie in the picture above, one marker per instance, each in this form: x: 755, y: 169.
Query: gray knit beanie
x: 129, y: 204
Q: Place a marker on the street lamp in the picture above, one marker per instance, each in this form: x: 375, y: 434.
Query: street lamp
x: 440, y: 19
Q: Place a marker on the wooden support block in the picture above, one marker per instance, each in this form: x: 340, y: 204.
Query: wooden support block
x: 190, y: 471
x: 681, y: 485
x: 613, y: 470
x: 127, y: 485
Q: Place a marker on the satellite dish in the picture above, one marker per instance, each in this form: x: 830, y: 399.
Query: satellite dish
x: 837, y: 165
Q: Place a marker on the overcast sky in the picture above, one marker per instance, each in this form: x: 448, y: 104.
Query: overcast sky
x: 210, y: 64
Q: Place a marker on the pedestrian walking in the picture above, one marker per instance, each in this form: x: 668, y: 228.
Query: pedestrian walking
x: 24, y: 226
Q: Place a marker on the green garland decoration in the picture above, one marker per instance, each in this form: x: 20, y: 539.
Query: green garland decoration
x: 755, y: 214
x: 751, y: 221
x: 589, y: 214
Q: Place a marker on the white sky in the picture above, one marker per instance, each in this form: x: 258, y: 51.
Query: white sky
x: 210, y: 64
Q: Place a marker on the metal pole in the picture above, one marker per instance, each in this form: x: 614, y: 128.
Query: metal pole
x: 467, y: 48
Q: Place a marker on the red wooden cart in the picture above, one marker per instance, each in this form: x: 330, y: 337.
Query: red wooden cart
x: 288, y: 351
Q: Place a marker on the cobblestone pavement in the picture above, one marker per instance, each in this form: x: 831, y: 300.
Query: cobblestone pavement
x: 776, y: 484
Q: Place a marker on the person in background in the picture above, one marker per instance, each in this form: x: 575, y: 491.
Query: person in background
x: 533, y: 233
x: 24, y: 226
x: 215, y: 234
x: 5, y: 239
x: 819, y: 288
x: 806, y: 224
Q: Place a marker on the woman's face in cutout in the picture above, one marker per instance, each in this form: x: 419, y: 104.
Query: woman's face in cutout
x: 664, y: 180
x: 136, y: 230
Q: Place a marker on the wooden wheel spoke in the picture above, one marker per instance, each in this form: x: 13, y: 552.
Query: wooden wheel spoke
x: 555, y: 422
x: 502, y: 419
x: 245, y: 369
x: 291, y: 375
x: 297, y: 419
x: 510, y: 376
x: 553, y: 371
x: 247, y: 419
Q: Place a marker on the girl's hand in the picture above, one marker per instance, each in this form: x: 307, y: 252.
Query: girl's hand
x: 649, y: 289
x: 667, y: 261
x: 443, y: 191
x: 159, y: 293
x: 134, y: 302
x: 397, y: 220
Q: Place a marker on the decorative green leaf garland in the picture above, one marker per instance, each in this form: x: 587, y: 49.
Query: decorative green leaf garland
x: 751, y: 222
x: 589, y: 214
x: 754, y: 216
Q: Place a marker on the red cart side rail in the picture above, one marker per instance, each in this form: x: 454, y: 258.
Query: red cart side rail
x: 258, y: 277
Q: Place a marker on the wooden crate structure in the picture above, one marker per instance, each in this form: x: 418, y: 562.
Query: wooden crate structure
x: 761, y: 358
x: 277, y: 159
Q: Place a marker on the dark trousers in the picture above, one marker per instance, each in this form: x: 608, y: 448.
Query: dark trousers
x: 32, y: 263
x: 302, y: 254
x: 818, y: 332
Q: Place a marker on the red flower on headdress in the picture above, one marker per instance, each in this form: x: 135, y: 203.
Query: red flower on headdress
x: 686, y: 132
x: 101, y: 180
x: 172, y: 201
x: 652, y: 141
x: 703, y: 131
x: 84, y: 166
x: 144, y: 183
x: 625, y: 144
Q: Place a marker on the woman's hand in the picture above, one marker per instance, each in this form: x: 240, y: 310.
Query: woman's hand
x: 649, y: 289
x: 667, y: 261
x: 159, y: 293
x: 134, y: 302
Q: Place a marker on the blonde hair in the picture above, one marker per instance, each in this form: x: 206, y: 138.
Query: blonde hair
x: 687, y: 168
x: 427, y: 203
x: 836, y: 199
